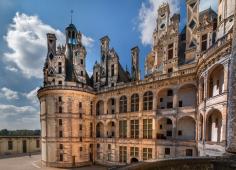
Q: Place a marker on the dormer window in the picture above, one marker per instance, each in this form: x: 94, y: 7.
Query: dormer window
x: 112, y: 70
x: 204, y: 42
x: 170, y: 51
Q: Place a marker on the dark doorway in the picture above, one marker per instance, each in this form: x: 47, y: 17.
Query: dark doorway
x: 73, y: 161
x: 134, y: 160
x: 24, y: 146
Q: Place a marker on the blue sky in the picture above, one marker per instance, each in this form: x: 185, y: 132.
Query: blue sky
x: 24, y: 25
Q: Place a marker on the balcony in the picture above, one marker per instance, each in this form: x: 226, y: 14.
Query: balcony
x: 163, y: 112
x: 221, y: 98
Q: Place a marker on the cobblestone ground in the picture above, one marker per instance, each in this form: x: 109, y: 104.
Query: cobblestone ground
x: 33, y: 163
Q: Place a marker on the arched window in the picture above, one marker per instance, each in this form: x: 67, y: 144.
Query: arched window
x: 123, y: 104
x: 134, y: 103
x: 148, y: 100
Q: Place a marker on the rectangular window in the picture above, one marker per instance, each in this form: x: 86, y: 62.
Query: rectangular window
x: 109, y: 146
x: 80, y: 127
x: 170, y: 70
x: 168, y: 122
x: 61, y: 146
x: 123, y: 128
x: 60, y: 99
x: 60, y: 82
x: 123, y: 154
x: 135, y: 103
x: 169, y: 105
x: 161, y: 100
x: 170, y: 51
x: 147, y: 128
x: 204, y: 42
x: 169, y: 133
x: 37, y: 143
x: 61, y: 157
x: 180, y: 133
x: 82, y: 73
x: 60, y: 122
x: 60, y: 109
x: 10, y: 145
x: 59, y: 70
x: 170, y: 93
x: 60, y: 134
x: 189, y: 152
x: 134, y: 129
x: 96, y: 77
x: 112, y: 70
x: 80, y: 105
x: 80, y: 149
x: 167, y: 151
x: 134, y: 151
x: 147, y: 153
x: 180, y: 103
x: 81, y: 61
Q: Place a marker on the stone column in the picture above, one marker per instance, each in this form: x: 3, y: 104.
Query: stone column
x: 154, y: 101
x: 128, y: 128
x: 205, y: 86
x: 175, y: 98
x: 141, y: 102
x: 128, y: 103
x: 231, y: 127
x: 105, y: 107
x: 226, y: 76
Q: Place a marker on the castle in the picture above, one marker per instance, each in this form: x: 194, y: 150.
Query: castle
x: 179, y: 109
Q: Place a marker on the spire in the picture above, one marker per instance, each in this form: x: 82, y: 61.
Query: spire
x: 71, y: 15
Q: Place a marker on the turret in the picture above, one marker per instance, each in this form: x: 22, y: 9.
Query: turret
x: 135, y: 72
x: 163, y: 19
x: 104, y: 47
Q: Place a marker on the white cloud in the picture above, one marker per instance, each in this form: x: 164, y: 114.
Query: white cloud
x: 18, y: 117
x: 87, y: 41
x: 12, y: 69
x: 32, y: 95
x: 148, y: 15
x: 206, y: 4
x: 8, y: 94
x: 27, y: 41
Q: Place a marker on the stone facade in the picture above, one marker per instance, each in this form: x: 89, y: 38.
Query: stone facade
x: 12, y: 145
x: 114, y: 117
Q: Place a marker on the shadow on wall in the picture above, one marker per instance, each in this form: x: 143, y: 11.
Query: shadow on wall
x: 219, y: 163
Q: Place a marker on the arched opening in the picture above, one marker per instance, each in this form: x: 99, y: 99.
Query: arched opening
x: 164, y: 128
x: 111, y: 106
x: 214, y: 126
x: 100, y: 130
x: 187, y: 96
x: 216, y: 81
x: 134, y: 160
x: 186, y: 128
x: 134, y: 103
x: 200, y: 127
x: 123, y: 104
x: 148, y: 101
x: 100, y: 107
x: 165, y: 99
x: 111, y: 128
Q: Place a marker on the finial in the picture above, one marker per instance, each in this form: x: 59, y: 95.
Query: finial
x: 71, y: 15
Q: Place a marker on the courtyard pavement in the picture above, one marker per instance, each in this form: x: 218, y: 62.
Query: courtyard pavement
x: 33, y: 163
